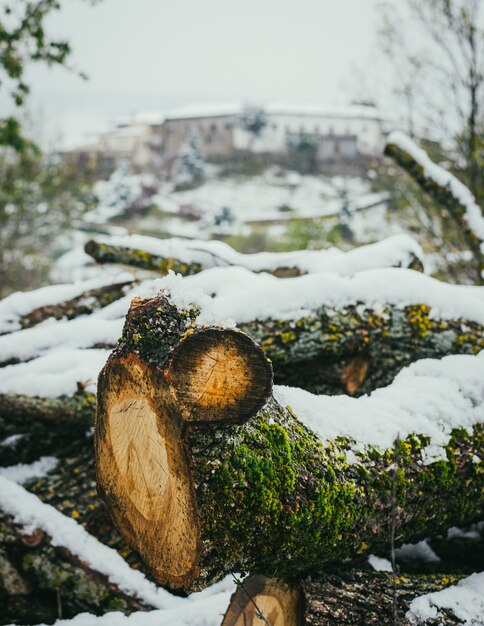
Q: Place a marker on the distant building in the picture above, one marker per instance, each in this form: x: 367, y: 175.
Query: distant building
x: 215, y: 127
x: 340, y: 136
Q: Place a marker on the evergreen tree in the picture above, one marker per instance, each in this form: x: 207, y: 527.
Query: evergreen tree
x: 190, y: 167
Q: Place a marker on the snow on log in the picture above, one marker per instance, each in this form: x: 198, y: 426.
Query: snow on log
x: 49, y: 564
x: 23, y: 309
x: 56, y: 387
x: 202, y: 481
x: 443, y: 187
x: 460, y: 604
x: 345, y: 598
x: 345, y: 334
x: 190, y: 257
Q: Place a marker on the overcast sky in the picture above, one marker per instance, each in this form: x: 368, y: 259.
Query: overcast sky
x: 154, y: 54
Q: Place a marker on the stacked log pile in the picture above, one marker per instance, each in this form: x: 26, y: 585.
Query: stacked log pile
x: 203, y: 468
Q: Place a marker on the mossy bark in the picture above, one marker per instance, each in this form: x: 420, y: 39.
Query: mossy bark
x: 275, y: 500
x: 79, y: 408
x: 356, y: 349
x: 106, y: 253
x: 344, y: 598
x: 40, y: 582
x: 444, y: 197
x: 271, y: 498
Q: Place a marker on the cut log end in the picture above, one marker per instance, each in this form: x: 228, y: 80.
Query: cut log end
x: 214, y: 375
x: 259, y: 601
x: 142, y: 471
x: 219, y: 375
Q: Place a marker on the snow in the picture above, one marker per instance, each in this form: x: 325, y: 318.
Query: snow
x: 20, y: 303
x: 54, y: 374
x: 205, y: 109
x: 465, y: 600
x: 420, y: 551
x: 267, y: 198
x: 81, y: 332
x: 393, y: 251
x: 65, y: 532
x: 443, y: 178
x: 238, y: 295
x: 22, y: 472
x: 63, y: 350
x: 200, y: 609
x: 430, y: 397
x: 379, y: 564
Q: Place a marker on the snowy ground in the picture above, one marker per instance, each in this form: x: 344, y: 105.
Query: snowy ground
x: 236, y: 205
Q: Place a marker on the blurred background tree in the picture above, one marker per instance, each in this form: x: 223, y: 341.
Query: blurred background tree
x: 436, y: 49
x: 40, y: 198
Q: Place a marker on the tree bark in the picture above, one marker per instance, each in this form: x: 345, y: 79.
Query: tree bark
x: 79, y: 408
x: 282, y: 265
x: 444, y: 197
x: 106, y: 253
x: 346, y: 598
x: 202, y: 481
x: 355, y: 350
x: 41, y: 583
x: 84, y: 304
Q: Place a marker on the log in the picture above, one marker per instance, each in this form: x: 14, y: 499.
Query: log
x: 106, y: 253
x: 351, y: 349
x: 447, y: 191
x: 78, y: 409
x: 40, y: 582
x: 346, y: 598
x: 356, y: 349
x: 190, y: 257
x: 84, y: 304
x: 203, y: 473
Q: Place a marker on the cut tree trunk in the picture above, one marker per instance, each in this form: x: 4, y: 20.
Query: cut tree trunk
x: 352, y: 350
x: 202, y: 481
x: 347, y: 598
x: 444, y: 196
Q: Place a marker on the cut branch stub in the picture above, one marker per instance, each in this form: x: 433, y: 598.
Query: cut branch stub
x: 211, y: 375
x: 219, y: 375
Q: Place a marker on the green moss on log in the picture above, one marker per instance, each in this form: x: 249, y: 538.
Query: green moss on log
x: 275, y: 500
x: 106, y: 253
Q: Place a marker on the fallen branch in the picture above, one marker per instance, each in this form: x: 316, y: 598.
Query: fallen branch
x: 79, y: 408
x: 444, y: 188
x: 190, y: 257
x: 202, y: 481
x: 85, y: 304
x: 41, y: 582
x: 24, y: 309
x: 106, y: 253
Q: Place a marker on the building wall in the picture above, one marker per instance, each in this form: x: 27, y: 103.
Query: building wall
x: 215, y: 134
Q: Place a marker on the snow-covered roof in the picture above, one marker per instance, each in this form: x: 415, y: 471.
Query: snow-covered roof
x: 207, y: 109
x: 219, y: 109
x: 141, y: 117
x: 354, y: 111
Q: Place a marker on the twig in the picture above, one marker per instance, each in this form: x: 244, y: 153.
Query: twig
x: 394, y: 526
